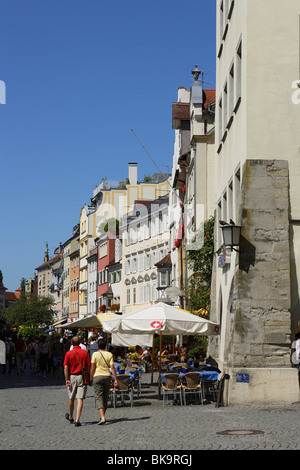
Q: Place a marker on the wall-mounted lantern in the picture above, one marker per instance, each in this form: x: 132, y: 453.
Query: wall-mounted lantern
x: 231, y: 234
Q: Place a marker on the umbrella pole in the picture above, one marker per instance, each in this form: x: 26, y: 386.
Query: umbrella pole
x: 159, y: 368
x: 152, y: 368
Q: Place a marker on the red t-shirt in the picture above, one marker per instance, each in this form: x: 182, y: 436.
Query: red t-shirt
x: 73, y: 362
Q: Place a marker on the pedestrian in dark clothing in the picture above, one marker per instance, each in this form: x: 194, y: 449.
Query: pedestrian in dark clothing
x: 43, y: 356
x: 20, y: 354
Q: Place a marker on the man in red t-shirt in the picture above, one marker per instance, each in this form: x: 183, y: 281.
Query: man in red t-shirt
x: 76, y: 360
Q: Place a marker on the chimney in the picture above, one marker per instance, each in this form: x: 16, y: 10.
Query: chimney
x: 132, y: 167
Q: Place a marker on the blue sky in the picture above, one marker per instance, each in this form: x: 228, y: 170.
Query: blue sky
x: 79, y: 75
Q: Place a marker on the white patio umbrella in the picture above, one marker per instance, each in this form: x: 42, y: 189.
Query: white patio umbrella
x: 162, y: 318
x: 91, y: 321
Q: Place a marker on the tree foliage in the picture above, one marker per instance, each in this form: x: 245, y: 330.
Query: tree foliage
x: 201, y: 262
x: 30, y: 310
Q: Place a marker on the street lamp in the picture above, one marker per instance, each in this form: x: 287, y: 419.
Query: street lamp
x: 231, y: 234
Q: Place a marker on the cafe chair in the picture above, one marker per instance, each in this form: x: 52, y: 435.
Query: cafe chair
x: 211, y: 388
x: 137, y: 380
x: 178, y: 367
x: 171, y: 386
x: 164, y: 364
x: 191, y: 385
x: 124, y: 389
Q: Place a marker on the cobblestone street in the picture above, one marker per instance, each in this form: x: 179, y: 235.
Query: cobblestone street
x: 33, y: 411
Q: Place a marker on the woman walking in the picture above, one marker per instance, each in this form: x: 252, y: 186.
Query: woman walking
x: 102, y: 366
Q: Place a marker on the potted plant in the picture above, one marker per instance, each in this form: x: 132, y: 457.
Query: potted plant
x: 133, y: 357
x: 115, y: 307
x: 102, y: 308
x: 121, y: 368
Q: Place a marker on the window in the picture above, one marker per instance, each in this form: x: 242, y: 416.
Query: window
x: 147, y: 261
x: 225, y: 114
x: 219, y: 217
x: 134, y: 295
x: 154, y: 292
x: 141, y: 293
x: 230, y: 201
x: 221, y: 20
x: 163, y: 278
x: 220, y: 121
x: 224, y: 207
x: 147, y: 292
x: 231, y: 90
x: 127, y: 266
x: 237, y: 192
x: 141, y: 262
x: 238, y: 89
x: 128, y: 296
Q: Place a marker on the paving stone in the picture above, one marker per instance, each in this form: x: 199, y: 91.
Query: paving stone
x: 32, y: 411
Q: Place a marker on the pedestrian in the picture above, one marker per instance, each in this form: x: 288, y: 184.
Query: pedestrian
x: 20, y: 354
x: 50, y: 355
x: 2, y: 355
x: 57, y: 356
x: 33, y: 351
x: 76, y: 360
x: 10, y: 351
x: 297, y: 353
x: 82, y: 345
x: 101, y: 369
x: 43, y: 356
x: 145, y: 356
x: 66, y: 345
x: 93, y: 346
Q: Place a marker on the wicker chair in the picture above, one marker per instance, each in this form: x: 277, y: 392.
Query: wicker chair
x: 191, y: 385
x: 171, y: 386
x: 124, y: 389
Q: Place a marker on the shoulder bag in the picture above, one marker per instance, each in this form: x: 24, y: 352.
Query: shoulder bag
x: 85, y: 372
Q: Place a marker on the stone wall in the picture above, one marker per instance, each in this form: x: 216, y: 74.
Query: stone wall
x: 260, y: 318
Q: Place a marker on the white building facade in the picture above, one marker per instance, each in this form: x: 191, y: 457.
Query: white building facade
x: 256, y: 295
x: 145, y: 238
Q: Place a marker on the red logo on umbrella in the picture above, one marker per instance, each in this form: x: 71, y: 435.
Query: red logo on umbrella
x: 156, y: 324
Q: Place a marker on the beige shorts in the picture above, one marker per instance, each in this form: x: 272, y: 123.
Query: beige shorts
x: 77, y: 389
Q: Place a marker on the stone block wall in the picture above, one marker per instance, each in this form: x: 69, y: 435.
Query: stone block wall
x: 260, y: 317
